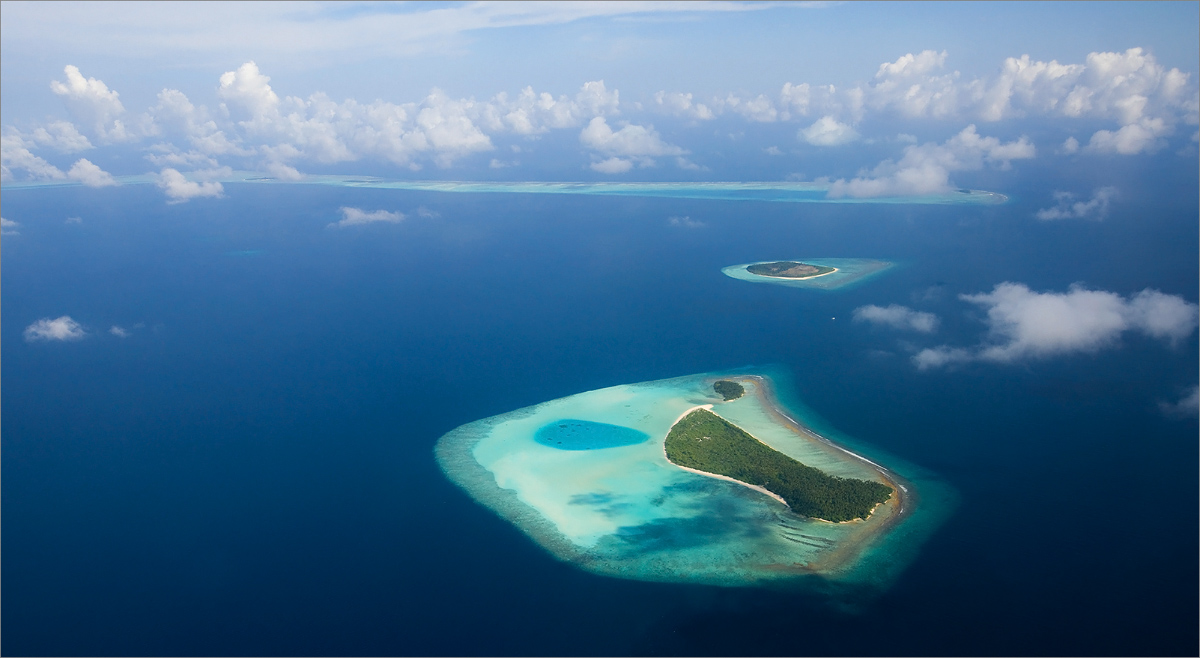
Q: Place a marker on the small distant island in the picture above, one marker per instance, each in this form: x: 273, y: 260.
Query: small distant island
x: 729, y: 390
x: 703, y: 441
x: 790, y: 269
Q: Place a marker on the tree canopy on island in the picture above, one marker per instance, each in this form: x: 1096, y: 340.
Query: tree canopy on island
x: 729, y: 390
x: 789, y: 269
x: 706, y: 442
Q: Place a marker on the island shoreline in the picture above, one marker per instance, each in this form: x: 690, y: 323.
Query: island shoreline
x: 773, y: 406
x: 793, y: 278
x: 714, y: 475
x: 902, y: 493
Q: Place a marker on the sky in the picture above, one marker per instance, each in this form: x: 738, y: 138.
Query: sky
x: 873, y: 99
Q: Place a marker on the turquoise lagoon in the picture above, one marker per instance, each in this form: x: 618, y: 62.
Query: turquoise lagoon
x: 849, y: 271
x: 728, y: 191
x: 607, y: 500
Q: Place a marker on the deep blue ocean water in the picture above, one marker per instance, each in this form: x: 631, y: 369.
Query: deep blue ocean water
x: 251, y: 470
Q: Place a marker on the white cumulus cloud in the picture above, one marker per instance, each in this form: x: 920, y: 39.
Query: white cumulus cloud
x: 179, y: 189
x: 1131, y: 139
x: 89, y: 174
x: 926, y: 169
x: 284, y: 172
x: 1145, y: 99
x: 61, y: 328
x: 681, y: 104
x: 61, y: 136
x: 630, y: 140
x: 177, y: 117
x: 358, y: 216
x: 897, y: 317
x: 1129, y: 87
x: 9, y: 227
x: 15, y: 155
x: 632, y: 143
x: 827, y: 131
x: 93, y: 102
x: 1066, y: 207
x: 320, y: 129
x: 914, y: 86
x: 759, y: 109
x: 936, y: 357
x: 532, y: 113
x: 1026, y: 324
x: 613, y: 165
x: 684, y: 222
x: 119, y: 332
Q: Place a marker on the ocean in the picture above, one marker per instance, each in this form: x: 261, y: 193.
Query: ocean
x: 251, y: 471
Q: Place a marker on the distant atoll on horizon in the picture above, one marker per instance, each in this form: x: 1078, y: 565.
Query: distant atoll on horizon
x: 773, y: 191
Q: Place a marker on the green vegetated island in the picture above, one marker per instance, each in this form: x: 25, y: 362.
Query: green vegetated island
x: 729, y: 390
x: 704, y: 441
x: 790, y: 269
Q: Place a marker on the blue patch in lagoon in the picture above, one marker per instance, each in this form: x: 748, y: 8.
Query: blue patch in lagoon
x: 575, y: 434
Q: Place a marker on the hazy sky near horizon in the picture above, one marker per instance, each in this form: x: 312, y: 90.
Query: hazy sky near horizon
x: 619, y: 91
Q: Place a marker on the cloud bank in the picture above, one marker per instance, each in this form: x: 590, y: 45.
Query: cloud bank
x: 1023, y: 324
x: 254, y: 127
x: 1143, y: 98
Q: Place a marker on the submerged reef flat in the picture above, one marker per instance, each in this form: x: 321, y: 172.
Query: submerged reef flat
x: 587, y: 477
x: 825, y: 273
